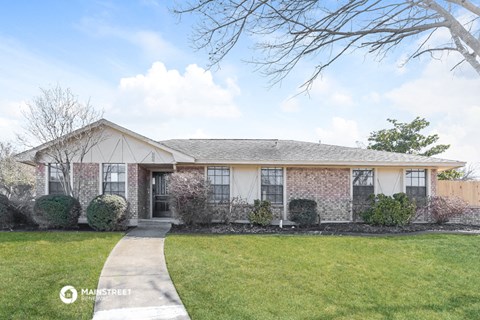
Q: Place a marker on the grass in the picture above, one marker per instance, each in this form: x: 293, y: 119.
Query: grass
x: 34, y: 266
x: 319, y: 277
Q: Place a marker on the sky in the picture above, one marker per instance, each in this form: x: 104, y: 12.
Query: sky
x: 135, y: 61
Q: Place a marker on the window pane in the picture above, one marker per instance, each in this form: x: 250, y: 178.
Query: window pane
x: 421, y: 182
x: 272, y: 185
x: 220, y: 179
x: 362, y: 177
x: 55, y: 179
x: 416, y: 185
x: 114, y: 178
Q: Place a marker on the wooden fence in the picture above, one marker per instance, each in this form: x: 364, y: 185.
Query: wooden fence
x: 469, y: 191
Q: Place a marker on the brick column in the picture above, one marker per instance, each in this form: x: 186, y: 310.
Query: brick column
x: 41, y: 170
x: 86, y: 183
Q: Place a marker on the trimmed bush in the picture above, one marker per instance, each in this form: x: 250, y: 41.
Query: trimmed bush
x: 390, y: 211
x: 261, y: 214
x: 107, y: 212
x: 57, y: 211
x: 190, y: 197
x: 442, y: 209
x: 303, y: 211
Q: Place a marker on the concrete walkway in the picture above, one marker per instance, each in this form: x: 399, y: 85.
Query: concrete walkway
x: 138, y: 279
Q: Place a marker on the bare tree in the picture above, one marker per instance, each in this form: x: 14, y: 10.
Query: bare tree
x: 16, y: 179
x: 65, y: 127
x: 291, y: 30
x: 466, y: 173
x: 469, y: 172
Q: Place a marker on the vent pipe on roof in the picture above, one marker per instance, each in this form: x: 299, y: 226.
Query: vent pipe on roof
x: 320, y: 141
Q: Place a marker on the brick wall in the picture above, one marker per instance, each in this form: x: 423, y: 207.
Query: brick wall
x: 200, y: 169
x: 277, y: 212
x: 87, y: 186
x: 132, y: 190
x: 143, y: 186
x: 40, y: 176
x: 471, y: 217
x: 86, y: 183
x: 329, y: 187
x: 433, y: 182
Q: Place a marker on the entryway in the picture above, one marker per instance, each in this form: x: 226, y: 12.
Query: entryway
x: 161, y: 208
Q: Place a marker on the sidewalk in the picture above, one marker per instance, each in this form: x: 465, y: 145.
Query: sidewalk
x: 137, y: 263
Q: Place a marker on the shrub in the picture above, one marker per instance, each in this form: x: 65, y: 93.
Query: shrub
x: 107, y: 212
x: 57, y: 211
x: 389, y: 211
x: 261, y: 213
x: 442, y: 209
x: 237, y: 209
x: 303, y: 211
x: 6, y: 212
x: 23, y: 214
x: 190, y: 197
x: 15, y: 213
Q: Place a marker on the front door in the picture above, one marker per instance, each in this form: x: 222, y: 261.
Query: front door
x: 160, y: 195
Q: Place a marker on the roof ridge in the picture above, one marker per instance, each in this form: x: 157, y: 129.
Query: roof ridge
x: 234, y: 139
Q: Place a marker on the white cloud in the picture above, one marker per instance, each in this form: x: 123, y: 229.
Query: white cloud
x: 436, y: 91
x: 200, y: 134
x: 452, y: 97
x: 290, y: 105
x: 8, y: 128
x: 372, y: 97
x: 341, y: 99
x: 461, y: 131
x: 328, y: 90
x: 341, y: 132
x: 152, y: 44
x: 193, y: 94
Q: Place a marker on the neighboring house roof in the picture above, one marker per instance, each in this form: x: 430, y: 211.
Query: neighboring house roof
x: 272, y: 151
x: 265, y: 151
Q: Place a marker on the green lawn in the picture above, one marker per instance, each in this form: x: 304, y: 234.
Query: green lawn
x: 326, y: 277
x: 34, y: 266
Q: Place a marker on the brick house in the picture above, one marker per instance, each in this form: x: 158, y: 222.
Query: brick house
x: 136, y: 167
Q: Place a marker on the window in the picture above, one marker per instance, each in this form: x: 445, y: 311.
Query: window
x: 114, y: 179
x: 220, y: 179
x: 416, y: 184
x: 55, y: 179
x: 272, y: 185
x: 363, y: 184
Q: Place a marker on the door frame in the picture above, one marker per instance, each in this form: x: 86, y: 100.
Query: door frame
x: 151, y: 188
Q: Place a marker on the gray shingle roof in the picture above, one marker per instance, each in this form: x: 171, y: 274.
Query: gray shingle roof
x: 290, y: 151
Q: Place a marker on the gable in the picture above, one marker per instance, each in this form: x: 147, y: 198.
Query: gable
x: 119, y: 145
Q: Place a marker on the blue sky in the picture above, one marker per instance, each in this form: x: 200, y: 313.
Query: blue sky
x: 134, y: 60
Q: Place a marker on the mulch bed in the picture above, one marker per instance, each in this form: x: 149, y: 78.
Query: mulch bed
x: 325, y: 228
